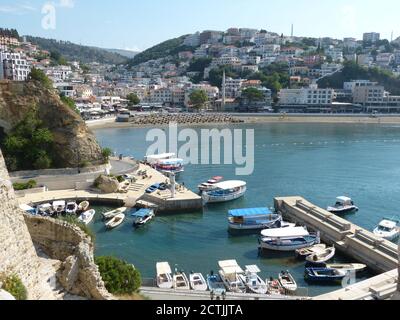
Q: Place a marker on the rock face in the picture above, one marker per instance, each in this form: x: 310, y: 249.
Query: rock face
x: 107, y: 184
x: 75, y: 143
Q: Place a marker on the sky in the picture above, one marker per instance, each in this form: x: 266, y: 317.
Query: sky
x: 140, y: 24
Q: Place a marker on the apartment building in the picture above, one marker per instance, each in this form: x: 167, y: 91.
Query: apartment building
x: 335, y: 53
x: 14, y: 66
x: 372, y: 37
x: 350, y: 43
x: 192, y: 40
x: 59, y: 73
x: 233, y: 87
x: 369, y: 95
x: 306, y: 96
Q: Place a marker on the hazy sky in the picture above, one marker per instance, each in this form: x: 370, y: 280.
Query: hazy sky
x: 139, y: 24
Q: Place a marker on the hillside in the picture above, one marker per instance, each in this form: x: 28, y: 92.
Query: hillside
x: 167, y: 48
x: 125, y: 53
x: 72, y: 51
x: 352, y: 71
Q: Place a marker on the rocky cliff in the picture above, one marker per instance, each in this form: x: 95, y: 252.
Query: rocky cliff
x: 74, y: 142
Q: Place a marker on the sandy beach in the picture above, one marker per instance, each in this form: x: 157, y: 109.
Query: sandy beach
x: 256, y: 119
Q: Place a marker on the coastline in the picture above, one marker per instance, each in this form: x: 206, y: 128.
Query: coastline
x: 257, y: 119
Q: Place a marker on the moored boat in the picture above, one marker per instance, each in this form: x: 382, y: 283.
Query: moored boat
x: 274, y: 287
x: 346, y: 267
x: 253, y: 219
x: 215, y: 284
x: 343, y: 205
x: 180, y: 281
x: 324, y: 275
x: 173, y: 165
x: 71, y: 208
x: 45, y: 209
x: 321, y: 256
x: 142, y: 216
x: 303, y: 253
x: 225, y: 191
x: 59, y: 207
x: 83, y: 206
x: 116, y: 221
x: 164, y: 275
x: 253, y: 281
x: 230, y: 274
x: 388, y: 229
x: 197, y: 282
x: 87, y: 216
x: 111, y: 214
x: 287, y: 281
x: 152, y: 159
x: 210, y: 184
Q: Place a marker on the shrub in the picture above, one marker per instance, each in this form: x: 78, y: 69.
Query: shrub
x: 25, y: 186
x: 119, y: 277
x: 14, y: 286
x: 74, y: 221
x: 106, y: 152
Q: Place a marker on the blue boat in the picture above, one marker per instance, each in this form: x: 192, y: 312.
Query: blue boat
x: 289, y: 244
x: 324, y: 275
x: 142, y: 216
x: 253, y: 219
x: 215, y: 284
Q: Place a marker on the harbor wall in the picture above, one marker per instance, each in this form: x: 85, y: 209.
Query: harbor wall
x: 79, y: 275
x: 166, y: 206
x: 360, y: 244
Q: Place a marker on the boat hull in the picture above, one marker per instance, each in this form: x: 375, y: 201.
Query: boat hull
x: 223, y: 198
x: 288, y: 244
x: 337, y: 211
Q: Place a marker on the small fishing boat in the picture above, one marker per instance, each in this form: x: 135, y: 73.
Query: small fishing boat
x: 388, y: 229
x: 215, y: 284
x: 164, y: 275
x: 87, y: 216
x: 210, y: 184
x: 343, y: 205
x: 113, y: 213
x: 303, y: 253
x: 83, y: 206
x: 29, y: 209
x: 197, y: 282
x: 142, y: 217
x: 324, y: 275
x: 322, y: 256
x: 287, y: 281
x: 173, y: 165
x: 59, y: 207
x: 346, y: 267
x: 180, y: 281
x: 253, y: 219
x: 71, y: 208
x: 225, y: 191
x: 274, y: 287
x: 230, y: 274
x: 252, y: 280
x: 116, y: 221
x: 45, y: 209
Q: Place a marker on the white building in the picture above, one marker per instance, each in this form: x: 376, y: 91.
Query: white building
x: 352, y: 85
x: 14, y: 66
x: 371, y: 37
x: 365, y: 60
x: 233, y: 87
x: 59, y: 73
x: 306, y: 96
x: 329, y: 68
x: 192, y: 40
x: 335, y: 53
x: 161, y: 95
x: 385, y: 59
x: 66, y: 89
x: 350, y: 43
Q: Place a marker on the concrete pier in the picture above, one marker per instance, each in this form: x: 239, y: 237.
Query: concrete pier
x: 361, y: 245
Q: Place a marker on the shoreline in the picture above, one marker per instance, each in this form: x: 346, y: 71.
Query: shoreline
x: 260, y: 119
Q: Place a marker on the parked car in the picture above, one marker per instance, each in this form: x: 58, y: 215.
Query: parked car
x: 163, y: 186
x: 153, y: 188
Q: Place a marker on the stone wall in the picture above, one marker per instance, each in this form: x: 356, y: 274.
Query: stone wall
x: 79, y: 275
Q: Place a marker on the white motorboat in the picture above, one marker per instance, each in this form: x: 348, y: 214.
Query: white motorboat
x: 87, y: 216
x: 113, y: 213
x: 180, y: 281
x: 84, y: 206
x: 71, y: 208
x: 343, y: 205
x: 153, y: 159
x: 225, y: 191
x: 230, y: 274
x: 59, y: 207
x: 45, y: 209
x: 164, y: 275
x: 116, y: 221
x: 303, y: 253
x: 252, y: 280
x: 274, y: 287
x: 388, y: 229
x: 197, y: 282
x: 142, y: 216
x: 346, y: 267
x: 322, y: 256
x: 287, y: 281
x: 210, y: 184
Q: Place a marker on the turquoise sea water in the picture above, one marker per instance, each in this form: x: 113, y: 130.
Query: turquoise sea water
x: 316, y: 161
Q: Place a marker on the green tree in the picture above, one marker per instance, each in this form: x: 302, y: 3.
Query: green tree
x: 252, y: 95
x: 14, y: 286
x: 198, y: 65
x: 69, y: 102
x: 133, y: 99
x: 106, y: 152
x: 40, y: 76
x: 198, y: 99
x: 119, y: 277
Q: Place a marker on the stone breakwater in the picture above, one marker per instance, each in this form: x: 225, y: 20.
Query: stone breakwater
x: 182, y: 119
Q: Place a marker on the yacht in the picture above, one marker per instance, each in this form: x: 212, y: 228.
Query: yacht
x: 388, y: 229
x: 343, y: 205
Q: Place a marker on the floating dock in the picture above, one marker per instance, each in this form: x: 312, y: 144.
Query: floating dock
x: 360, y: 244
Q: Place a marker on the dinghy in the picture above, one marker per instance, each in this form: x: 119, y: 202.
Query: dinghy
x: 287, y: 281
x: 303, y: 253
x: 324, y: 275
x: 87, y: 216
x: 83, y: 206
x: 274, y: 287
x: 116, y: 221
x: 252, y: 280
x: 142, y: 216
x: 197, y: 282
x: 59, y: 207
x: 180, y: 281
x: 45, y: 209
x: 347, y: 267
x: 71, y: 208
x: 112, y: 214
x: 322, y: 256
x: 215, y: 284
x: 164, y: 275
